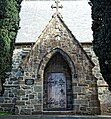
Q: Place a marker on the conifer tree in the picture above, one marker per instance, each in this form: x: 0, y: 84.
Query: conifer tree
x: 9, y: 25
x: 101, y: 15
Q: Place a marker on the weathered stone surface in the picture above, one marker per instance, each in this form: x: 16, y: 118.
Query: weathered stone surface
x: 38, y: 102
x: 31, y: 96
x: 38, y: 107
x: 40, y: 96
x: 37, y: 88
x: 7, y: 105
x: 104, y: 94
x: 1, y: 109
x: 28, y: 102
x: 77, y: 89
x: 1, y: 100
x: 11, y: 95
x: 25, y: 111
x: 16, y: 110
x: 20, y: 103
x: 64, y: 55
x: 24, y: 98
x: 84, y: 85
x: 21, y: 92
x: 81, y: 102
x: 83, y: 108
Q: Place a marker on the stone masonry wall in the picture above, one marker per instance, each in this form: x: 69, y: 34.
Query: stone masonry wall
x: 57, y: 38
x: 8, y: 99
x: 24, y: 86
x: 103, y: 93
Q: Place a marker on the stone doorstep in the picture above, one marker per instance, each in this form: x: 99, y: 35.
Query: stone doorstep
x: 55, y: 117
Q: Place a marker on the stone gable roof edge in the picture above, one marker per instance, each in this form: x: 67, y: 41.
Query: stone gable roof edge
x: 43, y: 31
x: 75, y: 38
x: 61, y: 19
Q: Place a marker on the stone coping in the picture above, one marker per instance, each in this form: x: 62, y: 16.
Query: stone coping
x: 55, y: 117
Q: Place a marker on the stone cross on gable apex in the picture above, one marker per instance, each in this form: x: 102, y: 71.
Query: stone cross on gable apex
x: 57, y: 6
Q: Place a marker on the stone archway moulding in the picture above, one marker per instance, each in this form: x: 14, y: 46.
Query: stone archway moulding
x: 48, y: 56
x: 46, y: 59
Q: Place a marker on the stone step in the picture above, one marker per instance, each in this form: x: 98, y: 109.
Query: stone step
x: 54, y: 117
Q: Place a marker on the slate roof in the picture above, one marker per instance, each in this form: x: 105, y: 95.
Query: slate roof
x: 35, y: 15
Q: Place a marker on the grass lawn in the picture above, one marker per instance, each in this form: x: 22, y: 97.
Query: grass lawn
x: 5, y: 113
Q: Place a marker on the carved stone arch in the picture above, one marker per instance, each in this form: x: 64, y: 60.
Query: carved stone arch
x: 62, y: 60
x: 48, y: 56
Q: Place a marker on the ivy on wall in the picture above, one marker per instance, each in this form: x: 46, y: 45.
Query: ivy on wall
x: 9, y: 25
x: 101, y: 15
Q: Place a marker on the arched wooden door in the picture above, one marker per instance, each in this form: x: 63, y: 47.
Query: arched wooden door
x: 57, y: 85
x: 56, y: 90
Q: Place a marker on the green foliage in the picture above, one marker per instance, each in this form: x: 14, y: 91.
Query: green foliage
x: 5, y: 114
x: 9, y: 25
x: 101, y: 15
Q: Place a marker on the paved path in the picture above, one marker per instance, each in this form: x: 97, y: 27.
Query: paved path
x: 54, y: 117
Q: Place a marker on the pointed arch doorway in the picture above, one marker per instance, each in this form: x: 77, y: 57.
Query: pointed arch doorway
x: 58, y: 94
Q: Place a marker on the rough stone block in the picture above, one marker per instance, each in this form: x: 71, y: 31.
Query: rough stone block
x: 10, y: 82
x: 15, y: 82
x: 25, y: 87
x: 27, y: 102
x: 31, y: 96
x: 75, y: 96
x: 16, y: 110
x: 81, y: 102
x: 21, y: 82
x: 83, y: 108
x: 37, y: 107
x: 24, y: 98
x: 25, y: 111
x: 94, y: 111
x: 13, y: 79
x: 11, y: 95
x: 94, y: 97
x: 21, y: 92
x: 93, y: 104
x: 77, y: 89
x: 7, y: 105
x: 38, y: 113
x: 76, y: 107
x: 18, y: 98
x: 19, y: 103
x: 109, y: 109
x: 1, y: 109
x: 20, y: 78
x: 5, y: 94
x: 7, y: 109
x: 39, y: 96
x: 37, y: 88
x: 1, y: 100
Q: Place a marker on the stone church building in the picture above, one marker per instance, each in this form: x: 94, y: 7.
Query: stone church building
x: 55, y: 75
